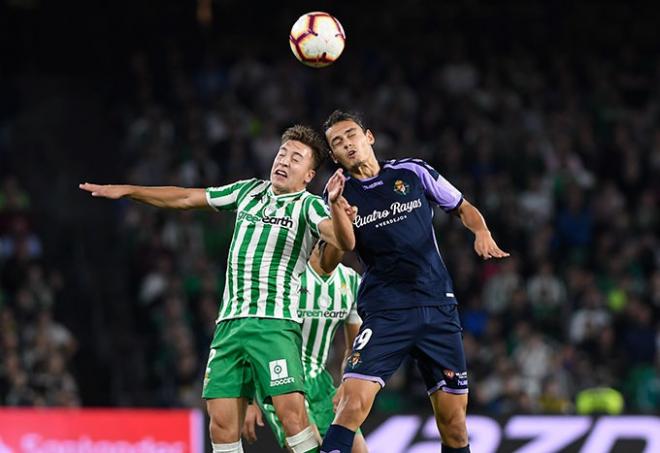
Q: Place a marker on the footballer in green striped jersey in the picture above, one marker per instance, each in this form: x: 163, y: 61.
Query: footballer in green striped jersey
x: 327, y: 301
x: 257, y: 342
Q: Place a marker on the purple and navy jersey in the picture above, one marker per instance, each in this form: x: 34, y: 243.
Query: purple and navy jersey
x: 395, y: 239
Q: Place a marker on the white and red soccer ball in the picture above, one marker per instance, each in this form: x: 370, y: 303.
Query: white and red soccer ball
x: 317, y: 39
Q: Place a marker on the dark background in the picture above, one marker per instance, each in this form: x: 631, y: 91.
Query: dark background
x: 545, y: 115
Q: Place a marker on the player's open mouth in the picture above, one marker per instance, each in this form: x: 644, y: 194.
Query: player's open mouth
x: 281, y: 173
x: 352, y: 153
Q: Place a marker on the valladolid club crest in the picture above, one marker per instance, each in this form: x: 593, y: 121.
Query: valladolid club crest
x: 354, y: 360
x: 401, y: 187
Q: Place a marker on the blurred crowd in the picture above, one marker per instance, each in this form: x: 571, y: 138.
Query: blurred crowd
x: 560, y: 151
x: 562, y: 159
x: 35, y: 348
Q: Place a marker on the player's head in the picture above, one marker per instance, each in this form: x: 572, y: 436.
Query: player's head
x: 300, y: 155
x: 349, y: 141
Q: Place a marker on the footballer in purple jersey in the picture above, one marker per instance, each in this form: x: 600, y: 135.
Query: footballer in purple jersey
x: 406, y: 299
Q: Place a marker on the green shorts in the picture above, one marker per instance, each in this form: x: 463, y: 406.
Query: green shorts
x: 319, y: 392
x: 254, y: 354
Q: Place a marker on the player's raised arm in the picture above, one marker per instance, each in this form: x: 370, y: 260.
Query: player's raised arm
x: 330, y: 256
x: 449, y: 198
x: 338, y: 231
x: 484, y: 244
x: 162, y: 197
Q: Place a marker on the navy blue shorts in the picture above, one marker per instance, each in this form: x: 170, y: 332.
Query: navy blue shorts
x: 431, y: 335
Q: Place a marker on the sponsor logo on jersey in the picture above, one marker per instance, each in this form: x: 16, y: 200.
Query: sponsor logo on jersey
x: 459, y: 378
x: 400, y: 209
x: 372, y: 185
x: 341, y: 314
x: 278, y: 369
x: 284, y: 222
x: 279, y: 373
x: 401, y: 187
x: 282, y: 381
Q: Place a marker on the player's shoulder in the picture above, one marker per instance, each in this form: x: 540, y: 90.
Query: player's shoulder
x: 408, y: 163
x: 419, y: 167
x: 309, y: 199
x: 307, y: 195
x: 254, y: 187
x: 250, y: 183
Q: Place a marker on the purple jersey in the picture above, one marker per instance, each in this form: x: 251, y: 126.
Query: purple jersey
x: 395, y: 236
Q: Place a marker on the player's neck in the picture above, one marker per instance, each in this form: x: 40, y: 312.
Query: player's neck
x: 285, y: 190
x: 367, y: 169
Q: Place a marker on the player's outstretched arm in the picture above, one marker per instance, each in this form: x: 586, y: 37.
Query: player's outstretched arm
x: 162, y: 197
x: 484, y: 244
x: 338, y: 231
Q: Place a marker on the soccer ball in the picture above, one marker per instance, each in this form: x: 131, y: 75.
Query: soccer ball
x: 317, y: 39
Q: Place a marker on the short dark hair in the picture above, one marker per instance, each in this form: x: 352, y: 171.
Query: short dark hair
x: 309, y: 137
x: 338, y: 116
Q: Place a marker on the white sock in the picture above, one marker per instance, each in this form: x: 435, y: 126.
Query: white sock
x: 304, y: 441
x: 234, y: 447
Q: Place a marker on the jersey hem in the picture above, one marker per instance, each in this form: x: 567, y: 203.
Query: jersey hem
x: 219, y: 320
x: 403, y: 306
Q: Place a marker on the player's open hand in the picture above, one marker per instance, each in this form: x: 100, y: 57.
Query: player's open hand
x: 335, y: 185
x: 105, y: 191
x: 485, y: 246
x: 351, y: 211
x: 253, y: 417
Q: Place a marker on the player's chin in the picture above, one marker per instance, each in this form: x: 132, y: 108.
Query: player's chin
x: 279, y: 182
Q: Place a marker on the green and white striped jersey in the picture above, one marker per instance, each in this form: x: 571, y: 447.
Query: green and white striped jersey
x: 325, y: 303
x: 273, y: 238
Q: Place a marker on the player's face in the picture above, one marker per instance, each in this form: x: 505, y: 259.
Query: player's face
x: 350, y: 146
x: 293, y: 167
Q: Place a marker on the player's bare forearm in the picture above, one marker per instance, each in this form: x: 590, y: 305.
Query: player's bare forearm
x: 341, y: 235
x: 170, y: 197
x: 331, y: 256
x: 338, y: 231
x: 342, y: 226
x: 484, y: 244
x: 471, y: 218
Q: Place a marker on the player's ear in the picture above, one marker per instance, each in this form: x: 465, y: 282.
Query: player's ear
x: 371, y: 139
x: 309, y: 176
